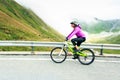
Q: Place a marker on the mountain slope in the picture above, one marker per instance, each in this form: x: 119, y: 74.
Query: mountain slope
x: 112, y: 38
x: 103, y: 31
x: 19, y: 23
x: 115, y: 39
x: 102, y: 25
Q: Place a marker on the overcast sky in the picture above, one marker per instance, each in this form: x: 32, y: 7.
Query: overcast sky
x: 59, y: 13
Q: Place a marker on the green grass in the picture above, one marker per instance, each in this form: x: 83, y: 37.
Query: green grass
x: 25, y: 48
x: 100, y: 26
x: 108, y: 51
x: 114, y: 39
x: 19, y: 20
x: 20, y: 23
x: 111, y: 51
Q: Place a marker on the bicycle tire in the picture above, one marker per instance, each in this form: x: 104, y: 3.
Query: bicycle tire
x: 92, y: 57
x: 64, y: 55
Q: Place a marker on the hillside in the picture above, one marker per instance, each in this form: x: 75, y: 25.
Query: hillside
x: 102, y: 26
x: 112, y: 38
x: 103, y: 31
x: 19, y: 23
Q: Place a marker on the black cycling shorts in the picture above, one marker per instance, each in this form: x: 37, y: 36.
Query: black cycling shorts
x: 78, y: 41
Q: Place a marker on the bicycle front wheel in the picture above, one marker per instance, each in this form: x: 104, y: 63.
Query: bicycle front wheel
x: 58, y: 55
x: 87, y: 57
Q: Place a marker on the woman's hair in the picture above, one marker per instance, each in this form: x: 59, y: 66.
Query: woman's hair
x: 75, y: 23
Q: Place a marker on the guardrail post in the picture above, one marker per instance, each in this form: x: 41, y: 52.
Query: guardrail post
x: 32, y: 52
x: 101, y: 50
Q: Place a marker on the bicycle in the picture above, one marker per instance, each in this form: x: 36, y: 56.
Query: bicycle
x: 59, y: 54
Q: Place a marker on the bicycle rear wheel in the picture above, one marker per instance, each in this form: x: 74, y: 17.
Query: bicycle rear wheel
x: 58, y: 55
x: 87, y: 58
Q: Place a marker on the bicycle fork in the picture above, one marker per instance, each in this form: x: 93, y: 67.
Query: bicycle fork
x: 61, y: 51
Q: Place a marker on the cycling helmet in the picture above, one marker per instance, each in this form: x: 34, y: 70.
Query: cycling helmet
x: 74, y: 22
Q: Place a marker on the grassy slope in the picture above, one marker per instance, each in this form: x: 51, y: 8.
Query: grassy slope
x: 113, y: 39
x: 99, y: 27
x: 19, y: 23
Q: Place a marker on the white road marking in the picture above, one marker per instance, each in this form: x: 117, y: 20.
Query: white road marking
x: 107, y: 61
x: 25, y: 59
x: 48, y: 59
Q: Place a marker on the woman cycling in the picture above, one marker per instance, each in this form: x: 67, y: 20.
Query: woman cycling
x: 80, y: 37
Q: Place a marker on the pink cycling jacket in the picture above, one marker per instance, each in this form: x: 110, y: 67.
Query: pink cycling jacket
x: 78, y: 32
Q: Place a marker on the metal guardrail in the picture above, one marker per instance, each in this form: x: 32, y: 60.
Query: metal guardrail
x: 31, y: 43
x: 104, y: 46
x: 59, y: 44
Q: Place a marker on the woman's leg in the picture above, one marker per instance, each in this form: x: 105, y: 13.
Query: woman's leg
x: 75, y: 42
x: 80, y: 40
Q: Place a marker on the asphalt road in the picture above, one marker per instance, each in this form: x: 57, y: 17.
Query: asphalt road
x: 42, y: 68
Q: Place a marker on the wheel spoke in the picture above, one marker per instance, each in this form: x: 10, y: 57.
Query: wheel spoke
x: 87, y: 56
x: 58, y: 55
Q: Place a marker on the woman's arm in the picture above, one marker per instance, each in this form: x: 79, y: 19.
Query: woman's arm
x: 72, y: 33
